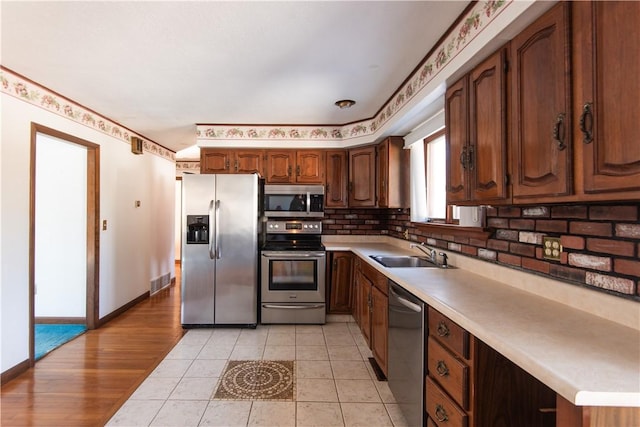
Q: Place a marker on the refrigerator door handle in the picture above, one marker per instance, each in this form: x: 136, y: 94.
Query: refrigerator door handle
x: 217, y: 231
x: 212, y: 236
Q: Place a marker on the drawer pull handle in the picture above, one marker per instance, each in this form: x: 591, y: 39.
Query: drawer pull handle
x: 442, y: 369
x: 441, y: 414
x: 442, y: 330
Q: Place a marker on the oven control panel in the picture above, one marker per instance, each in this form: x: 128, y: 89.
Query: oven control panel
x: 294, y: 227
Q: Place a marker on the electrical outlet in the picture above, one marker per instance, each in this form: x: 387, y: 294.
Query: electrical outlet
x: 551, y: 248
x: 104, y: 225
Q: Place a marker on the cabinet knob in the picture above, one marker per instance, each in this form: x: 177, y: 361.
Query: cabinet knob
x: 442, y: 369
x: 441, y: 414
x: 442, y: 330
x: 298, y: 170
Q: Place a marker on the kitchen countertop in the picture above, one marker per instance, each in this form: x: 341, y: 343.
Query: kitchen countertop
x: 588, y: 359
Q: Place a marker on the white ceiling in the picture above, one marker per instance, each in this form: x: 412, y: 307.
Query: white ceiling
x: 159, y: 68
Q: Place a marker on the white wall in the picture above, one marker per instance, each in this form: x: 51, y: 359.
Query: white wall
x: 178, y: 227
x: 60, y: 275
x: 136, y: 247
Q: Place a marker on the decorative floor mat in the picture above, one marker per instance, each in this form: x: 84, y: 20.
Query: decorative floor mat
x: 257, y: 380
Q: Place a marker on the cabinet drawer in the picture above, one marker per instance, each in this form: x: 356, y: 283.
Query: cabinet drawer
x: 448, y: 333
x: 441, y: 409
x: 451, y: 373
x: 378, y: 279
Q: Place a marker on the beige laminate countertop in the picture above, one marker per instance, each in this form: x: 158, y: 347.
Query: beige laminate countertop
x: 586, y: 358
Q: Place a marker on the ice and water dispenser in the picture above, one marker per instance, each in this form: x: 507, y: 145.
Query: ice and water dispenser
x: 197, y: 229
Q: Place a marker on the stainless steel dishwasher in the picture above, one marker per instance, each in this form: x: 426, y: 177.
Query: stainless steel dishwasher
x: 406, y: 353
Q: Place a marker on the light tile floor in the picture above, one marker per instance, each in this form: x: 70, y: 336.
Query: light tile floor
x: 335, y: 384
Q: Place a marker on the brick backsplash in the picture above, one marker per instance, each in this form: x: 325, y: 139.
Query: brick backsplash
x: 601, y: 242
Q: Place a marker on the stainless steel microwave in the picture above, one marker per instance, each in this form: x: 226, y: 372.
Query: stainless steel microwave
x: 294, y: 201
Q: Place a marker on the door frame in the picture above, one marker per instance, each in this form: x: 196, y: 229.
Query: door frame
x: 92, y: 232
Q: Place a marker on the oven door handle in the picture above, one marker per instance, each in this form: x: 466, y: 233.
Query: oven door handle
x: 294, y: 255
x: 293, y: 307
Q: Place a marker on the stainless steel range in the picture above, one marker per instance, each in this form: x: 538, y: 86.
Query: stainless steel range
x: 293, y: 261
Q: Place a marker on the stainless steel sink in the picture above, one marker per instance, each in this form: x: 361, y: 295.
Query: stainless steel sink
x: 399, y: 261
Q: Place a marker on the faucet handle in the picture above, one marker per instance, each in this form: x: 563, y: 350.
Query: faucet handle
x: 444, y: 259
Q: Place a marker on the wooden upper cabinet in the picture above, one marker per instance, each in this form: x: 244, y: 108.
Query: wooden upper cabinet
x: 249, y: 161
x: 606, y: 37
x: 290, y: 167
x: 541, y: 119
x: 392, y: 173
x: 310, y: 166
x: 215, y: 160
x: 336, y: 194
x: 227, y: 160
x: 280, y: 167
x: 457, y: 134
x: 487, y: 150
x: 382, y: 169
x: 362, y: 176
x: 476, y: 138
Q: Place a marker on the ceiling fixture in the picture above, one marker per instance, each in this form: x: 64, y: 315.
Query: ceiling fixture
x: 345, y: 103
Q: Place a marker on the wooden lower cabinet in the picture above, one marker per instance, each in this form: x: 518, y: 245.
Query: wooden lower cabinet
x: 469, y: 384
x: 371, y: 310
x: 380, y: 327
x: 340, y: 289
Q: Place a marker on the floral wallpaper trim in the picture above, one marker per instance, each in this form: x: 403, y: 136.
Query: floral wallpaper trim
x: 32, y: 93
x: 473, y: 24
x: 192, y: 166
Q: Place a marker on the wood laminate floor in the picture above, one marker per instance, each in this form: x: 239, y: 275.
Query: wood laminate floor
x: 84, y: 382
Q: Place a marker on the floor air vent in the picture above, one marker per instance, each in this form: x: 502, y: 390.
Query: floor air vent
x: 160, y: 283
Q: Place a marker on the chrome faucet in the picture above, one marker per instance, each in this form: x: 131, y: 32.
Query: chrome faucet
x: 431, y: 253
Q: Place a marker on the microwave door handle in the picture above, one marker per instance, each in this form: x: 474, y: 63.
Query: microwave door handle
x: 308, y: 202
x: 215, y: 230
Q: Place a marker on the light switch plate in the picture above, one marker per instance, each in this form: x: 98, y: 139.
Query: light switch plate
x: 551, y: 248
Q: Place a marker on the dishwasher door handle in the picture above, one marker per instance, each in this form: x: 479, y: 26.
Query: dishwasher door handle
x: 410, y: 305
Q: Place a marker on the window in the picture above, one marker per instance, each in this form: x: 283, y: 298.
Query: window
x: 436, y: 176
x: 428, y: 179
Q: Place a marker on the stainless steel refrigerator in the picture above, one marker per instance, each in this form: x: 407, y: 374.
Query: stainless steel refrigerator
x: 219, y: 250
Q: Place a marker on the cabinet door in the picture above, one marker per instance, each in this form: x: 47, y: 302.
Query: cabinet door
x: 336, y: 195
x: 380, y: 327
x: 607, y: 108
x: 364, y: 295
x: 249, y: 161
x: 340, y: 287
x: 541, y: 152
x: 457, y: 125
x: 382, y: 174
x: 215, y: 161
x: 310, y: 167
x: 280, y: 166
x: 487, y: 149
x: 362, y: 177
